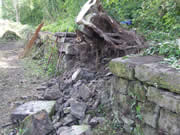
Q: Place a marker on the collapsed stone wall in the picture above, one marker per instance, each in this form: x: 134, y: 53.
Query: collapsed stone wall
x: 146, y: 95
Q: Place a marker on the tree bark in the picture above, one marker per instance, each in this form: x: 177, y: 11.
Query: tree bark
x: 15, y: 4
x: 1, y: 11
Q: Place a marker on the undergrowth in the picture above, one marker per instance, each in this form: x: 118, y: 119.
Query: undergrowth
x: 51, y: 56
x: 169, y: 50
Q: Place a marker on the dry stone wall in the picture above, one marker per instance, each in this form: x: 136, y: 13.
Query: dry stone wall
x: 146, y: 95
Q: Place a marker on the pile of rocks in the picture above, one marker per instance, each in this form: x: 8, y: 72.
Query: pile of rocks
x: 66, y: 104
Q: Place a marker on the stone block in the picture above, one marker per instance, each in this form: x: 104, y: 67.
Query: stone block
x: 52, y: 93
x: 122, y: 105
x: 120, y: 85
x: 169, y: 122
x: 121, y: 68
x: 124, y: 67
x: 76, y: 130
x: 68, y: 48
x: 150, y: 113
x: 147, y: 130
x: 127, y: 121
x: 159, y: 75
x: 164, y: 99
x: 37, y: 124
x: 137, y: 90
x: 78, y: 109
x: 32, y: 107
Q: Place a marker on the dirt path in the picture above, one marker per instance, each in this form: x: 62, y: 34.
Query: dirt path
x: 15, y: 86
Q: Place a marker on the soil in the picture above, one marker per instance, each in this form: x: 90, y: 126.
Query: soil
x: 16, y: 86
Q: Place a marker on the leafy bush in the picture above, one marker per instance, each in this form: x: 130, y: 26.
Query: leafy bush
x: 161, y: 15
x: 148, y: 16
x: 31, y: 12
x: 61, y: 25
x: 123, y: 9
x: 171, y: 52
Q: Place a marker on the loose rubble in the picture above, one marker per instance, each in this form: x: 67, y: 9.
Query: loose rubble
x: 81, y: 88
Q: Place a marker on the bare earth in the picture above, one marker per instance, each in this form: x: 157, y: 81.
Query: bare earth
x: 15, y: 86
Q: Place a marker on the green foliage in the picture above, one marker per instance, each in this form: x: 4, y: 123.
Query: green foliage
x: 150, y: 16
x: 69, y: 9
x: 31, y: 12
x: 61, y: 25
x: 8, y: 10
x: 51, y: 55
x: 170, y: 50
x: 110, y: 127
x: 121, y: 10
x: 138, y: 112
x: 138, y: 130
x: 55, y: 12
x: 160, y: 15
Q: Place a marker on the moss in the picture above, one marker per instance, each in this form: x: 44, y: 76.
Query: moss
x: 122, y: 70
x: 138, y: 90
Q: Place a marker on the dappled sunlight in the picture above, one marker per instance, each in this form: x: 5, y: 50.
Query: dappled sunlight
x: 7, y: 63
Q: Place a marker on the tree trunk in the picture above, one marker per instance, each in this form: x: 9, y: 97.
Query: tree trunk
x: 1, y: 12
x: 15, y: 4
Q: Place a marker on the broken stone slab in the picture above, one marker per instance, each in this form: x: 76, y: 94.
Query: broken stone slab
x: 164, y: 99
x: 149, y: 113
x: 32, y: 107
x: 57, y: 125
x: 68, y: 120
x: 76, y: 130
x: 82, y: 92
x: 77, y: 74
x: 159, y: 75
x: 125, y: 67
x: 37, y: 124
x: 52, y: 93
x: 62, y: 129
x: 169, y: 122
x: 82, y: 73
x: 78, y: 109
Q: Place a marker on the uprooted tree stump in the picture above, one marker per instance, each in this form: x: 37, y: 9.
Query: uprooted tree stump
x: 99, y: 37
x: 104, y: 34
